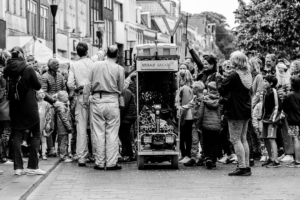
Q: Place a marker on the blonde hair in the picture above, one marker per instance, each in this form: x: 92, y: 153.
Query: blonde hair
x: 255, y: 64
x: 199, y: 85
x: 185, y: 77
x: 239, y: 61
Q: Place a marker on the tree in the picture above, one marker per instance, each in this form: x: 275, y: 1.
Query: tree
x: 224, y: 37
x: 269, y: 26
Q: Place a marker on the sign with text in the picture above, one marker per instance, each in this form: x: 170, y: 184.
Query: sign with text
x: 157, y: 65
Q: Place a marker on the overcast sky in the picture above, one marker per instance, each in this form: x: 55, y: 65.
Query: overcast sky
x: 224, y: 7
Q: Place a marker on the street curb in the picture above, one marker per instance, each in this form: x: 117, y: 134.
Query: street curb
x: 36, y: 184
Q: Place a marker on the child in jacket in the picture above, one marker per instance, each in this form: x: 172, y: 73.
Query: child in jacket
x: 128, y: 117
x: 291, y: 108
x: 64, y: 127
x: 210, y: 122
x: 45, y: 120
x: 270, y: 113
x: 194, y: 105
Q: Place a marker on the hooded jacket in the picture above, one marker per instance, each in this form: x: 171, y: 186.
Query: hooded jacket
x: 210, y: 112
x: 63, y: 118
x: 238, y: 87
x: 23, y: 114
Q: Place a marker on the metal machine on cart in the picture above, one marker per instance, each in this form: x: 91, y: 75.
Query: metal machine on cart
x: 158, y: 139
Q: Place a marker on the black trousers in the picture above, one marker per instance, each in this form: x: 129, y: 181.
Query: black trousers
x: 33, y: 162
x: 224, y: 143
x: 186, y: 138
x: 210, y: 144
x: 249, y: 139
x: 126, y: 139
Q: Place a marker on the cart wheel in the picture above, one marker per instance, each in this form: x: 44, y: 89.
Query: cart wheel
x: 174, y: 162
x: 141, y: 162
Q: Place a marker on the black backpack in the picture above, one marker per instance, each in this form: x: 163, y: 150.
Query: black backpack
x: 17, y: 90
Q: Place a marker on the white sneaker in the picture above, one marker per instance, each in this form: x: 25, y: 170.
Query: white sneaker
x: 264, y: 158
x: 44, y: 157
x: 288, y: 158
x: 185, y: 160
x: 20, y: 172
x: 281, y: 157
x: 232, y: 157
x: 67, y: 160
x: 8, y: 162
x: 1, y: 172
x: 35, y: 172
x: 223, y: 160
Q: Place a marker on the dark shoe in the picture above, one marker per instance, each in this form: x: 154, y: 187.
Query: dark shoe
x: 116, y: 167
x: 209, y: 164
x: 81, y: 164
x: 248, y: 169
x: 126, y: 159
x: 251, y: 163
x: 240, y: 172
x: 269, y: 161
x: 274, y: 164
x: 190, y: 163
x: 98, y: 168
x: 200, y: 162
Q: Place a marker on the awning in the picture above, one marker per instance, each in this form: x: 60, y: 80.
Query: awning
x: 41, y: 53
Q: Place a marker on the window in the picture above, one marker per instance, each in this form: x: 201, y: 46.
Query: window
x: 94, y: 16
x: 110, y: 33
x: 32, y: 15
x: 118, y: 12
x: 7, y: 5
x: 108, y: 4
x: 44, y: 23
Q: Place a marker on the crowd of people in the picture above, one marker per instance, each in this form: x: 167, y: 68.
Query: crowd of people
x: 241, y: 110
x: 245, y: 109
x: 49, y: 112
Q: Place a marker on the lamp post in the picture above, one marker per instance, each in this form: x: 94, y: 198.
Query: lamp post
x: 131, y: 43
x: 54, y: 6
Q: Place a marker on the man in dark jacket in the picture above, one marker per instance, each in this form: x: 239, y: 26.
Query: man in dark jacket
x: 24, y: 113
x: 128, y: 117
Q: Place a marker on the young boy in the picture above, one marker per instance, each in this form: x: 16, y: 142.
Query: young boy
x: 45, y: 120
x: 198, y: 88
x: 64, y: 127
x: 270, y: 110
x: 291, y: 108
x: 210, y: 121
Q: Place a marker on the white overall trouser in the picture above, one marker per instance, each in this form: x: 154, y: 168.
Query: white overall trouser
x: 81, y: 118
x: 105, y: 124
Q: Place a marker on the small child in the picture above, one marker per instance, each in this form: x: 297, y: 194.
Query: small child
x: 291, y: 108
x: 258, y: 125
x: 270, y: 110
x: 64, y: 127
x: 210, y: 121
x: 194, y: 104
x: 45, y: 120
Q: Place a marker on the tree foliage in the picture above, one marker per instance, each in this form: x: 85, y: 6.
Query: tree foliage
x: 224, y: 37
x: 269, y: 26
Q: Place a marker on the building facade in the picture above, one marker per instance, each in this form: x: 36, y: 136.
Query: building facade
x: 2, y: 24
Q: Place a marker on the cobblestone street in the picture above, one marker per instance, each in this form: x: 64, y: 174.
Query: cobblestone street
x: 68, y: 181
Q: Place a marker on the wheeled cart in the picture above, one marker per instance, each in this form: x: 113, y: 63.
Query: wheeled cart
x: 157, y: 133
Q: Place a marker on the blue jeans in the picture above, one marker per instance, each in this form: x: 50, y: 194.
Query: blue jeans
x: 238, y: 137
x: 33, y: 162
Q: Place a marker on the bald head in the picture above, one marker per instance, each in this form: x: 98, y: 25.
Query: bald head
x: 112, y: 52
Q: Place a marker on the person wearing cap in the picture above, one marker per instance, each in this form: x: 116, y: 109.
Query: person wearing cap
x: 52, y: 83
x: 210, y: 123
x: 24, y: 113
x: 106, y: 82
x: 64, y: 128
